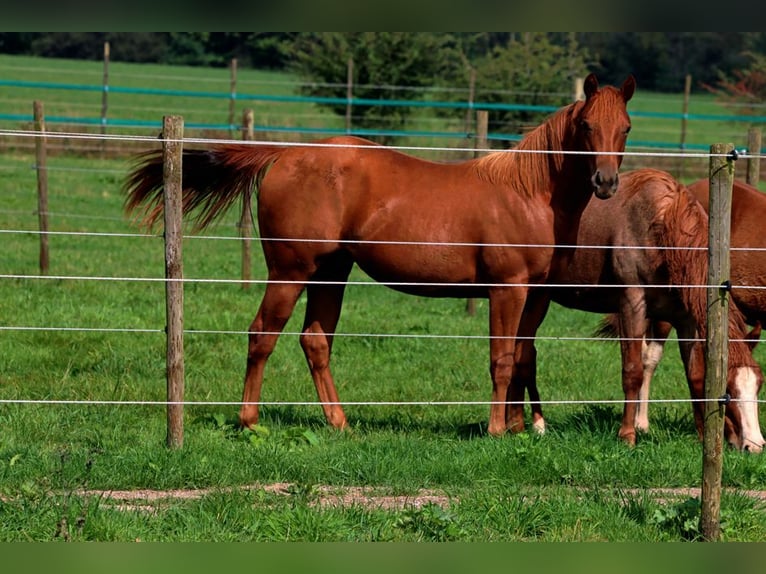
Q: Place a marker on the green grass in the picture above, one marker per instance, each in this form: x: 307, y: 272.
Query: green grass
x: 575, y: 483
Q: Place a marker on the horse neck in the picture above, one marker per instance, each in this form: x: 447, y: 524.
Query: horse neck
x: 564, y: 177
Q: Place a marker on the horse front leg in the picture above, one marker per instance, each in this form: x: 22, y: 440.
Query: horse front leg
x: 693, y: 357
x: 632, y: 327
x: 525, y: 363
x: 505, y: 309
x: 652, y: 349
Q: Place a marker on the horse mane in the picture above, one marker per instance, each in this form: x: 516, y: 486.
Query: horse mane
x: 683, y: 222
x: 523, y: 169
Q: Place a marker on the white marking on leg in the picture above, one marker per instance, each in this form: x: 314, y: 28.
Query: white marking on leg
x: 746, y: 384
x: 651, y: 353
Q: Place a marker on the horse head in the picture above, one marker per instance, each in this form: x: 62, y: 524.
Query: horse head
x: 602, y: 125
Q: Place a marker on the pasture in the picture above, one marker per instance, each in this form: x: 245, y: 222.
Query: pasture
x: 83, y: 380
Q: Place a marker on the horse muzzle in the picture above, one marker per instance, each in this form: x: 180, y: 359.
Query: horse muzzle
x: 605, y: 186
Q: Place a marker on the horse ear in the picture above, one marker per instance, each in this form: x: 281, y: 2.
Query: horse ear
x: 590, y: 85
x: 628, y: 87
x: 754, y: 336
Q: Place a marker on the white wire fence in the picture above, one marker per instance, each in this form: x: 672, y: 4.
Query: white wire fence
x: 742, y: 154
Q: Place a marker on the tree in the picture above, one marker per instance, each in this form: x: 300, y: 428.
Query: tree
x: 744, y: 89
x: 386, y: 65
x: 529, y: 70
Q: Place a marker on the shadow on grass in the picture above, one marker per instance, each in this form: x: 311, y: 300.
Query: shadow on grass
x: 589, y: 419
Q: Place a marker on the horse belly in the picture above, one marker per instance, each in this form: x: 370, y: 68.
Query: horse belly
x: 431, y: 271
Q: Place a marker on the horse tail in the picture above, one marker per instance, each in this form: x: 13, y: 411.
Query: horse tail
x: 607, y: 328
x: 212, y: 180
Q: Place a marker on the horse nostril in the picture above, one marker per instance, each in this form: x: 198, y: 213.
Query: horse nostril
x: 598, y: 179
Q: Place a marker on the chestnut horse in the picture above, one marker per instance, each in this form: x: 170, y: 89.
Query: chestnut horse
x: 748, y: 268
x: 487, y: 227
x: 651, y: 209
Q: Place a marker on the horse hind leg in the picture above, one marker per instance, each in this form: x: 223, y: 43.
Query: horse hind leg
x: 322, y: 313
x: 275, y: 310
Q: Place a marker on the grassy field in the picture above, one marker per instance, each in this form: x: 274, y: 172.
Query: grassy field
x: 100, y: 344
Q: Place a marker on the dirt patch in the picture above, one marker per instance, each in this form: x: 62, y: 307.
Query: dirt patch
x: 337, y: 496
x: 322, y: 496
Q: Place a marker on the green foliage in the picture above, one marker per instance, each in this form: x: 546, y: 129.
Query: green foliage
x: 527, y: 71
x: 390, y: 65
x: 432, y: 523
x: 745, y: 90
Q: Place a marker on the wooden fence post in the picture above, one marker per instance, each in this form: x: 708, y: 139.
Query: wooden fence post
x: 578, y: 91
x: 471, y: 97
x: 754, y: 161
x: 684, y: 122
x: 482, y: 145
x: 42, y: 184
x: 717, y: 341
x: 105, y: 97
x: 172, y: 134
x: 233, y: 92
x: 349, y: 93
x: 246, y: 218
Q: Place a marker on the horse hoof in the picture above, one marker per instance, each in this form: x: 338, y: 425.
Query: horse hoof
x: 247, y: 421
x: 629, y: 438
x: 539, y: 426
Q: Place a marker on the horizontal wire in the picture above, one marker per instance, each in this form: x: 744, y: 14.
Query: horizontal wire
x: 390, y: 284
x: 350, y: 241
x: 363, y: 403
x: 743, y: 153
x: 22, y: 328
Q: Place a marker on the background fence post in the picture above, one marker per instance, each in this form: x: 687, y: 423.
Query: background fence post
x: 41, y: 164
x: 172, y: 133
x: 233, y: 92
x: 754, y: 161
x: 246, y: 218
x: 717, y: 341
x: 105, y: 97
x: 349, y: 93
x: 684, y: 122
x: 482, y: 144
x: 578, y: 91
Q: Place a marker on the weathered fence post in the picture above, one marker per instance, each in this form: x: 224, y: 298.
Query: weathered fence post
x: 246, y: 218
x: 105, y: 97
x: 469, y: 116
x: 482, y: 144
x: 232, y: 92
x: 172, y: 134
x: 717, y: 341
x: 684, y: 122
x: 349, y: 93
x: 41, y: 164
x: 754, y: 161
x: 578, y: 91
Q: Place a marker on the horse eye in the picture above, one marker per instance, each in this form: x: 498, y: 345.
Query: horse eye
x: 585, y: 126
x: 627, y: 130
